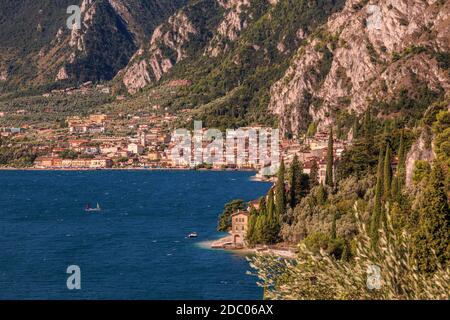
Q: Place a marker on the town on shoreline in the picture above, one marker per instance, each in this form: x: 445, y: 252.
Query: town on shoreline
x: 146, y: 141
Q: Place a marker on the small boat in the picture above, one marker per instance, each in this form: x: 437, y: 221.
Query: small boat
x: 192, y: 235
x: 96, y: 209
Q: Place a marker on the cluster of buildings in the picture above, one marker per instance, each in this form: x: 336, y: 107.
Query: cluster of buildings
x: 245, y: 148
x: 105, y: 141
x: 148, y: 141
x: 84, y: 89
x: 56, y: 162
x: 94, y: 124
x: 313, y: 150
x: 10, y: 131
x: 91, y: 145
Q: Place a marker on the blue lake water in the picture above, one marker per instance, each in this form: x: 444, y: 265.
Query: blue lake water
x: 134, y: 249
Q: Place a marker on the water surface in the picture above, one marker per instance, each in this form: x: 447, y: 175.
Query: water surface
x: 134, y: 249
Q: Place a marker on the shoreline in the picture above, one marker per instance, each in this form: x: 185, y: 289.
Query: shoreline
x: 255, y: 178
x: 121, y: 169
x: 280, y: 250
x: 287, y: 254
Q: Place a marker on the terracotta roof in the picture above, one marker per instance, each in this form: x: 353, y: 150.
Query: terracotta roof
x: 240, y: 212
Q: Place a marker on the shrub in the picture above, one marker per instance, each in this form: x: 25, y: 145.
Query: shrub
x: 320, y: 276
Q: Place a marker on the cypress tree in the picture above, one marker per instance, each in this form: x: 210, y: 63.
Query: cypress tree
x: 330, y: 161
x: 432, y: 240
x: 401, y: 171
x: 271, y: 227
x: 333, y: 229
x: 250, y: 236
x: 320, y: 196
x: 375, y: 221
x: 368, y: 130
x: 294, y: 182
x: 387, y: 173
x: 270, y: 203
x: 259, y: 229
x: 314, y: 174
x: 304, y: 185
x: 262, y: 206
x: 259, y: 233
x: 395, y: 189
x: 280, y: 192
x: 355, y: 128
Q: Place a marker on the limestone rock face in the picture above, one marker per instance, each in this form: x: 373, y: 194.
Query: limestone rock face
x: 183, y: 35
x: 364, y: 53
x: 3, y: 75
x: 62, y: 74
x: 234, y: 21
x: 137, y: 76
x: 109, y: 34
x: 152, y: 62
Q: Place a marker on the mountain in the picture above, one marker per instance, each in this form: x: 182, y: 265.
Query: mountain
x: 232, y: 54
x: 299, y: 64
x: 37, y: 47
x: 302, y: 62
x: 391, y: 56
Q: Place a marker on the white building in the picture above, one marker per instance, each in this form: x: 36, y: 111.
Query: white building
x: 135, y: 148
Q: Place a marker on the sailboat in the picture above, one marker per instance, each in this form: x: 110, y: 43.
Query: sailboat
x: 96, y: 209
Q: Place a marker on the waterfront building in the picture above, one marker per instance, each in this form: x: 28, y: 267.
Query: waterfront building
x: 154, y: 156
x: 100, y: 163
x: 239, y: 222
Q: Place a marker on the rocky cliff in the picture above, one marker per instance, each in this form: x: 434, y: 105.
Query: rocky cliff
x: 249, y: 62
x: 111, y: 32
x: 366, y: 53
x: 183, y: 35
x: 234, y: 21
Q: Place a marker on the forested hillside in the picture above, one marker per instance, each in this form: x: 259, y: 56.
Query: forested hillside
x: 36, y: 43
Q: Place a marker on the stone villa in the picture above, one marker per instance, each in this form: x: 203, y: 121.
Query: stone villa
x: 239, y: 222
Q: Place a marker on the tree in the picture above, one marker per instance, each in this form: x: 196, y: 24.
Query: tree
x: 314, y: 174
x: 421, y: 171
x: 387, y: 173
x: 321, y: 195
x: 333, y: 229
x: 225, y: 217
x: 250, y: 236
x: 401, y: 171
x: 375, y: 221
x: 69, y: 154
x: 270, y: 202
x: 271, y: 223
x: 432, y: 240
x: 395, y: 191
x: 330, y: 161
x: 260, y: 225
x: 280, y: 192
x: 335, y: 280
x: 295, y: 182
x: 304, y: 185
x: 355, y: 128
x: 259, y: 229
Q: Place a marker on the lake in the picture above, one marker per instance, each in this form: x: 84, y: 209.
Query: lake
x: 135, y: 248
